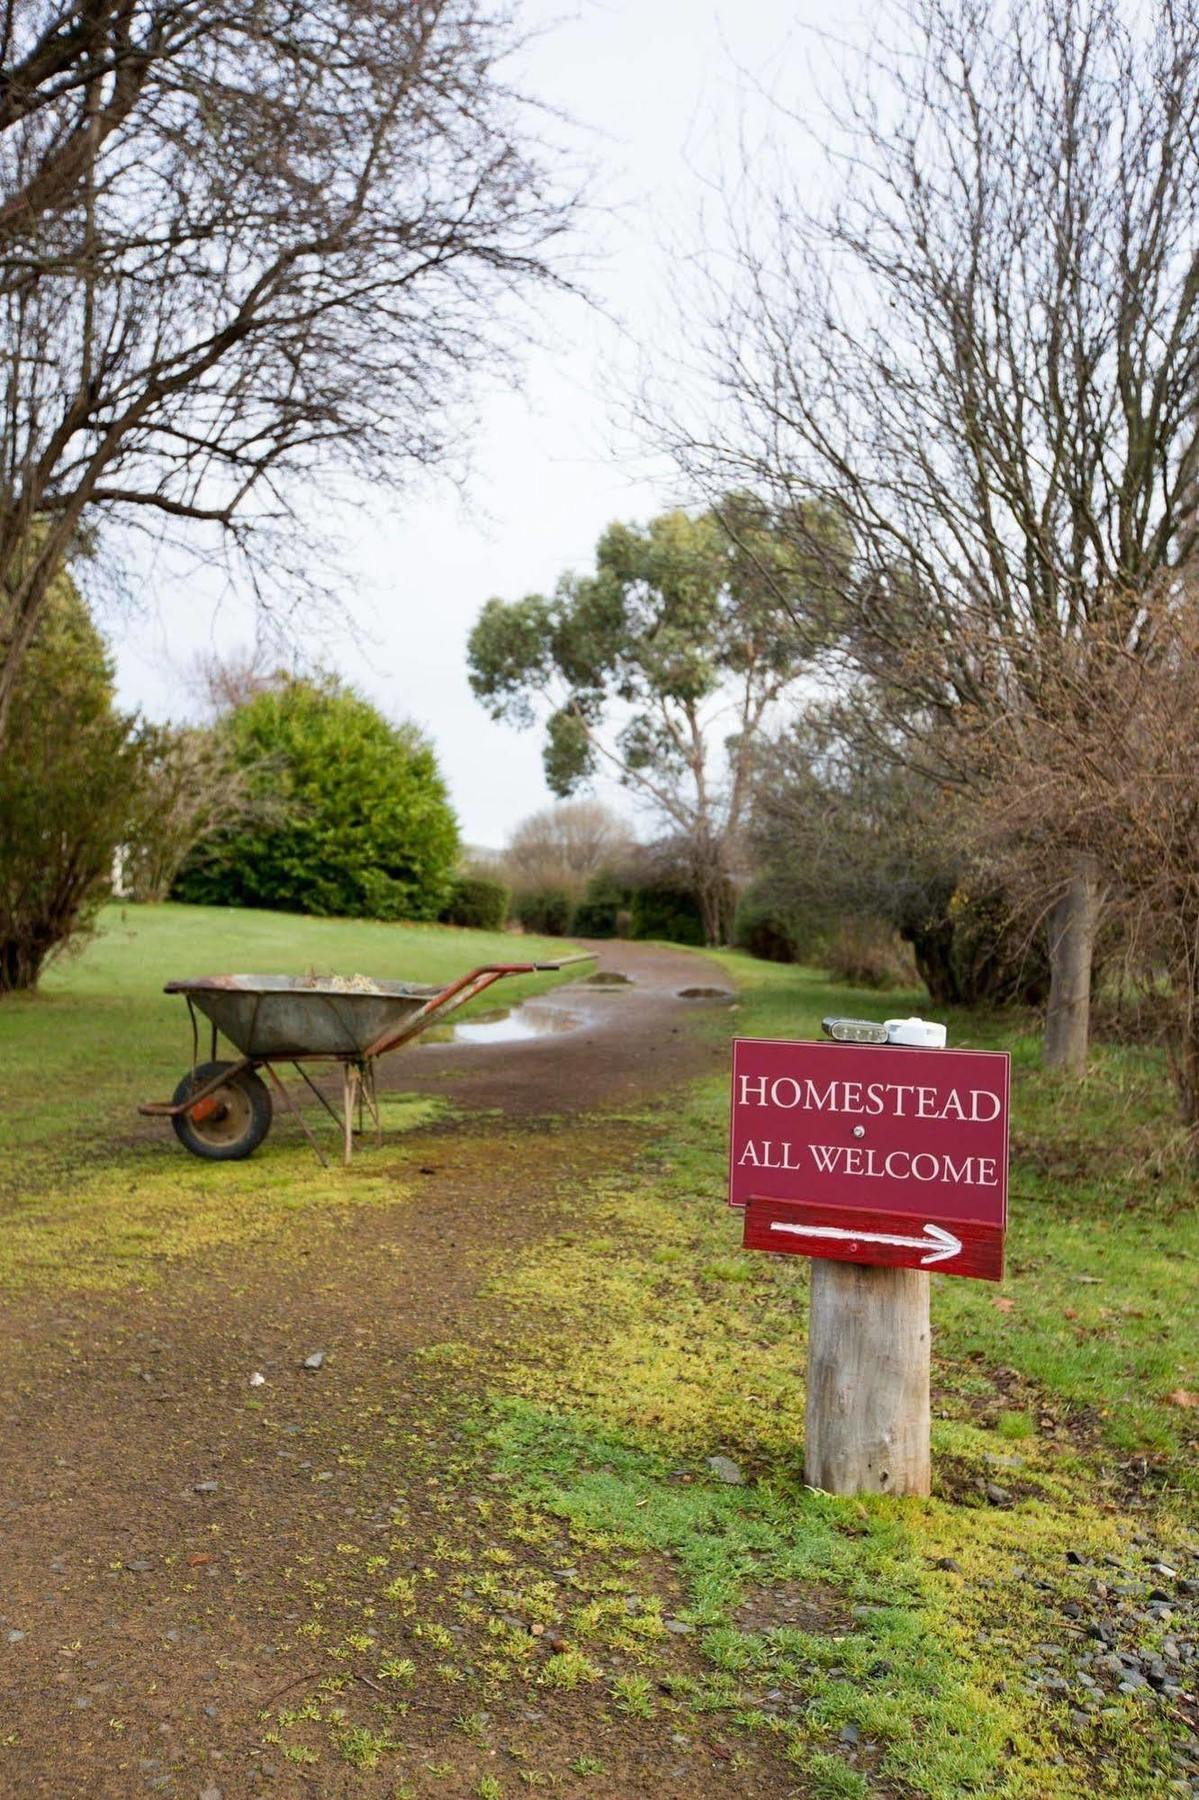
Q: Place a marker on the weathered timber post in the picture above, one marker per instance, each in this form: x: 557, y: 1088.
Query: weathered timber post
x: 868, y: 1421
x: 867, y: 1418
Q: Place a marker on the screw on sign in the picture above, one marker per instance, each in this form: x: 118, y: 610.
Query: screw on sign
x: 882, y: 1156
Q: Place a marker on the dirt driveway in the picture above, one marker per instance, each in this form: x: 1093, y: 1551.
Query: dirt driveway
x: 315, y: 1584
x: 613, y: 1036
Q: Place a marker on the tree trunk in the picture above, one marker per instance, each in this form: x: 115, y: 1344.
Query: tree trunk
x: 711, y: 913
x: 868, y: 1422
x: 1072, y: 927
x: 933, y: 951
x: 1184, y: 1060
x: 714, y: 893
x: 20, y: 965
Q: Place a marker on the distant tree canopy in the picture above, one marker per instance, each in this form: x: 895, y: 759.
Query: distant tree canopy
x: 663, y: 664
x: 348, y: 814
x: 70, y: 774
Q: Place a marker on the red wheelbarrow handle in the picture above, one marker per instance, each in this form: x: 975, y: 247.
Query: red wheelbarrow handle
x: 460, y: 991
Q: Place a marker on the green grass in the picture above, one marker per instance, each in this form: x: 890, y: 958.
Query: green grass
x: 92, y: 1198
x: 100, y: 1035
x: 641, y: 1341
x: 660, y: 1343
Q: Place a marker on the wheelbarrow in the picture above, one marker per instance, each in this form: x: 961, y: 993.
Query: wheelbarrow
x: 222, y: 1110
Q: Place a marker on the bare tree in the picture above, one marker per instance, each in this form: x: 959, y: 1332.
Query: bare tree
x: 190, y: 788
x: 565, y: 845
x: 227, y: 680
x: 243, y: 246
x: 983, y: 349
x: 1107, y: 766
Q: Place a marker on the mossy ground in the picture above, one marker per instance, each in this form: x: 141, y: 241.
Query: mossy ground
x: 500, y: 1560
x: 662, y: 1343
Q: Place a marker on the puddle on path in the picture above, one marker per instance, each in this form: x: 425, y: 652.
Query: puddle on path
x: 513, y: 1025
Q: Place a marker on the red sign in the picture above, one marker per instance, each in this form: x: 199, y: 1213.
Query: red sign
x: 872, y: 1154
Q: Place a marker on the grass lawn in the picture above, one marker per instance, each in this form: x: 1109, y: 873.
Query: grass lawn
x: 956, y: 1638
x: 100, y: 1035
x: 88, y: 1199
x: 1007, y: 1637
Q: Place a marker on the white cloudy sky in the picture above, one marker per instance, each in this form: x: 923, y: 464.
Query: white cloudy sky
x: 661, y: 88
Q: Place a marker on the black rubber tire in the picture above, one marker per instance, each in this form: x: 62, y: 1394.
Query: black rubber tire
x: 238, y: 1127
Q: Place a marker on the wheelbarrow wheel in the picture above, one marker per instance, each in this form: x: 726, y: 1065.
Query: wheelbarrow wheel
x: 230, y: 1122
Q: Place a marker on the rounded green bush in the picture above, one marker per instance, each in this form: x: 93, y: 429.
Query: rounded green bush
x: 545, y: 910
x: 477, y: 901
x: 348, y: 813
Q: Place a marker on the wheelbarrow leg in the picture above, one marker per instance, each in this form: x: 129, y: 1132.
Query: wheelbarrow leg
x: 371, y: 1090
x: 290, y: 1105
x: 349, y: 1085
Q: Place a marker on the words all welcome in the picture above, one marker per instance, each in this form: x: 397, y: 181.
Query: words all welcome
x: 854, y: 1159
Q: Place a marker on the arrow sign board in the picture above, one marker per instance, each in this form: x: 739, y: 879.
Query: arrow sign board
x: 872, y: 1153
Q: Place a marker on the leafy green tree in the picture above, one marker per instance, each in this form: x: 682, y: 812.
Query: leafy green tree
x: 604, y: 907
x: 348, y: 814
x: 70, y: 773
x: 663, y: 665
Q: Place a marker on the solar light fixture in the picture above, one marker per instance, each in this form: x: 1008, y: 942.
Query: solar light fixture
x: 855, y: 1031
x: 920, y: 1034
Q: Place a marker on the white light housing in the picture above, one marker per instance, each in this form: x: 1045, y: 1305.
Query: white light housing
x: 920, y: 1034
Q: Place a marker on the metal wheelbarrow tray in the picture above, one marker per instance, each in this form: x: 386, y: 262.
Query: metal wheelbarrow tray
x: 223, y: 1110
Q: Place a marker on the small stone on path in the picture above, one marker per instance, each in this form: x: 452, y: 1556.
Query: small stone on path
x: 725, y: 1469
x: 315, y: 1361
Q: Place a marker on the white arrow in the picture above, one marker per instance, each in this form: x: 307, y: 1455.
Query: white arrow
x: 940, y: 1244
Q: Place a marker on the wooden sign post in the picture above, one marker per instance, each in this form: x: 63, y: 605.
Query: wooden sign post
x: 866, y: 1419
x: 882, y: 1163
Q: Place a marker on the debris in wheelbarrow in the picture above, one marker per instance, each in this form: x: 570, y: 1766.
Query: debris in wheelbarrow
x: 222, y: 1110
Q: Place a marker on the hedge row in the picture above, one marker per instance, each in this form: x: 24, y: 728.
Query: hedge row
x: 609, y: 909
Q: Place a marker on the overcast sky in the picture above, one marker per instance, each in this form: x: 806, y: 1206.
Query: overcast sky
x: 661, y: 88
